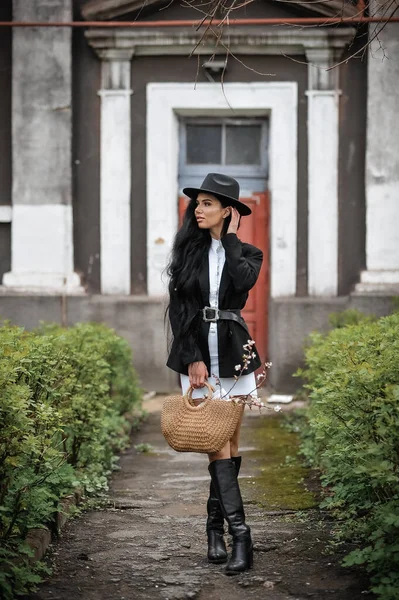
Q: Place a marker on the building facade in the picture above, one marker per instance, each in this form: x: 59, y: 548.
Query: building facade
x: 102, y: 127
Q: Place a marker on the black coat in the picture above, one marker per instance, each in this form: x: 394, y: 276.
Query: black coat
x: 239, y: 275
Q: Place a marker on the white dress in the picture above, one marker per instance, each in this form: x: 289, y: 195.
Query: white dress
x: 246, y: 383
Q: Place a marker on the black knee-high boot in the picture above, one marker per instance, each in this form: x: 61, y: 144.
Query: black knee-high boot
x: 217, y: 552
x: 224, y: 479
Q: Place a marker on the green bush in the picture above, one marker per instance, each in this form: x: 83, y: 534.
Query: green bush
x: 65, y: 399
x: 352, y: 376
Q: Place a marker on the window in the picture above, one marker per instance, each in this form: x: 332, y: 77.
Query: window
x: 238, y: 146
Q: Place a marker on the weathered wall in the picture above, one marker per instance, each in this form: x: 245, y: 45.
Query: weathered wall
x: 5, y: 133
x: 291, y: 321
x: 41, y: 244
x: 382, y: 174
x: 351, y: 167
x: 42, y: 129
x: 5, y: 248
x: 181, y: 69
x: 139, y: 320
x: 86, y: 161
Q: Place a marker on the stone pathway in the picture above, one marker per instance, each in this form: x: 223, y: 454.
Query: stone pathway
x: 150, y: 542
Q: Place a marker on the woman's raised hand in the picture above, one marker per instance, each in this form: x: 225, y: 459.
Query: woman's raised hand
x: 235, y: 219
x: 198, y: 374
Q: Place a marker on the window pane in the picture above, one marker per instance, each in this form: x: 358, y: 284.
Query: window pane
x: 243, y: 144
x: 204, y: 144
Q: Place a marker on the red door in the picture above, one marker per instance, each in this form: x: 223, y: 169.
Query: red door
x: 254, y: 230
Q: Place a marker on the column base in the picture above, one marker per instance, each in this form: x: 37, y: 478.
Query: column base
x: 384, y: 281
x: 43, y: 283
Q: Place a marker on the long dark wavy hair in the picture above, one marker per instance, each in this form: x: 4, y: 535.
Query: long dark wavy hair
x: 189, y: 252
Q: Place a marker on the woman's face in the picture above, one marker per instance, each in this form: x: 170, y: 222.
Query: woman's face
x: 210, y: 213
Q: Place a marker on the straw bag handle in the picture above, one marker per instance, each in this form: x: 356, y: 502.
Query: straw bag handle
x: 190, y: 392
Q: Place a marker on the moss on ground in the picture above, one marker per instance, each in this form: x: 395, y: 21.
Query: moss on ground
x: 279, y: 480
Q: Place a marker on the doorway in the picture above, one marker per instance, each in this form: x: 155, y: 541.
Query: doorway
x: 239, y: 148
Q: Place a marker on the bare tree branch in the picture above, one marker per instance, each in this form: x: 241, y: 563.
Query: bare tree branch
x: 222, y: 9
x: 372, y: 37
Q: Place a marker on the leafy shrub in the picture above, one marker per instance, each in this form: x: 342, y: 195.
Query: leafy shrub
x: 352, y: 376
x: 64, y: 399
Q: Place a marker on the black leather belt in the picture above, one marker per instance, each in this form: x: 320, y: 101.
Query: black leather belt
x: 212, y: 315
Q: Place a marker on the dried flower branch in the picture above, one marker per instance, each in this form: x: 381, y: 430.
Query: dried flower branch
x: 251, y: 399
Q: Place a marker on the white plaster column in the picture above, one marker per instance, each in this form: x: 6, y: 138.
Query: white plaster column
x: 382, y: 164
x: 323, y: 108
x: 42, y: 240
x: 115, y: 174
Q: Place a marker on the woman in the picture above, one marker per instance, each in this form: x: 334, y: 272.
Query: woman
x: 211, y: 272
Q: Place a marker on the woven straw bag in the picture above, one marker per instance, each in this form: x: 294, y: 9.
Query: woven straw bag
x: 205, y: 428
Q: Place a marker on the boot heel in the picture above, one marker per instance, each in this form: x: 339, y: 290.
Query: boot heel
x: 242, y: 558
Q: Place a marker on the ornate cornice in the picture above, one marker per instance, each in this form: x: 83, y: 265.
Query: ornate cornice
x: 243, y: 40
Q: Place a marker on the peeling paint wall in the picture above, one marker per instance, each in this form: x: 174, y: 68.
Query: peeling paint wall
x: 382, y: 162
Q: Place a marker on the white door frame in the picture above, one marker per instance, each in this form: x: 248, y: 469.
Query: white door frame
x: 165, y: 103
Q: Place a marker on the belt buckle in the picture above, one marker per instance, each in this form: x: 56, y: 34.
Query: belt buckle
x: 210, y: 319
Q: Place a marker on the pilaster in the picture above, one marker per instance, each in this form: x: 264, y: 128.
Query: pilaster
x: 323, y: 137
x: 115, y: 175
x: 382, y: 162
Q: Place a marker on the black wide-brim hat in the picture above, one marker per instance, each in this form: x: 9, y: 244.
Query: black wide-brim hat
x: 225, y: 188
